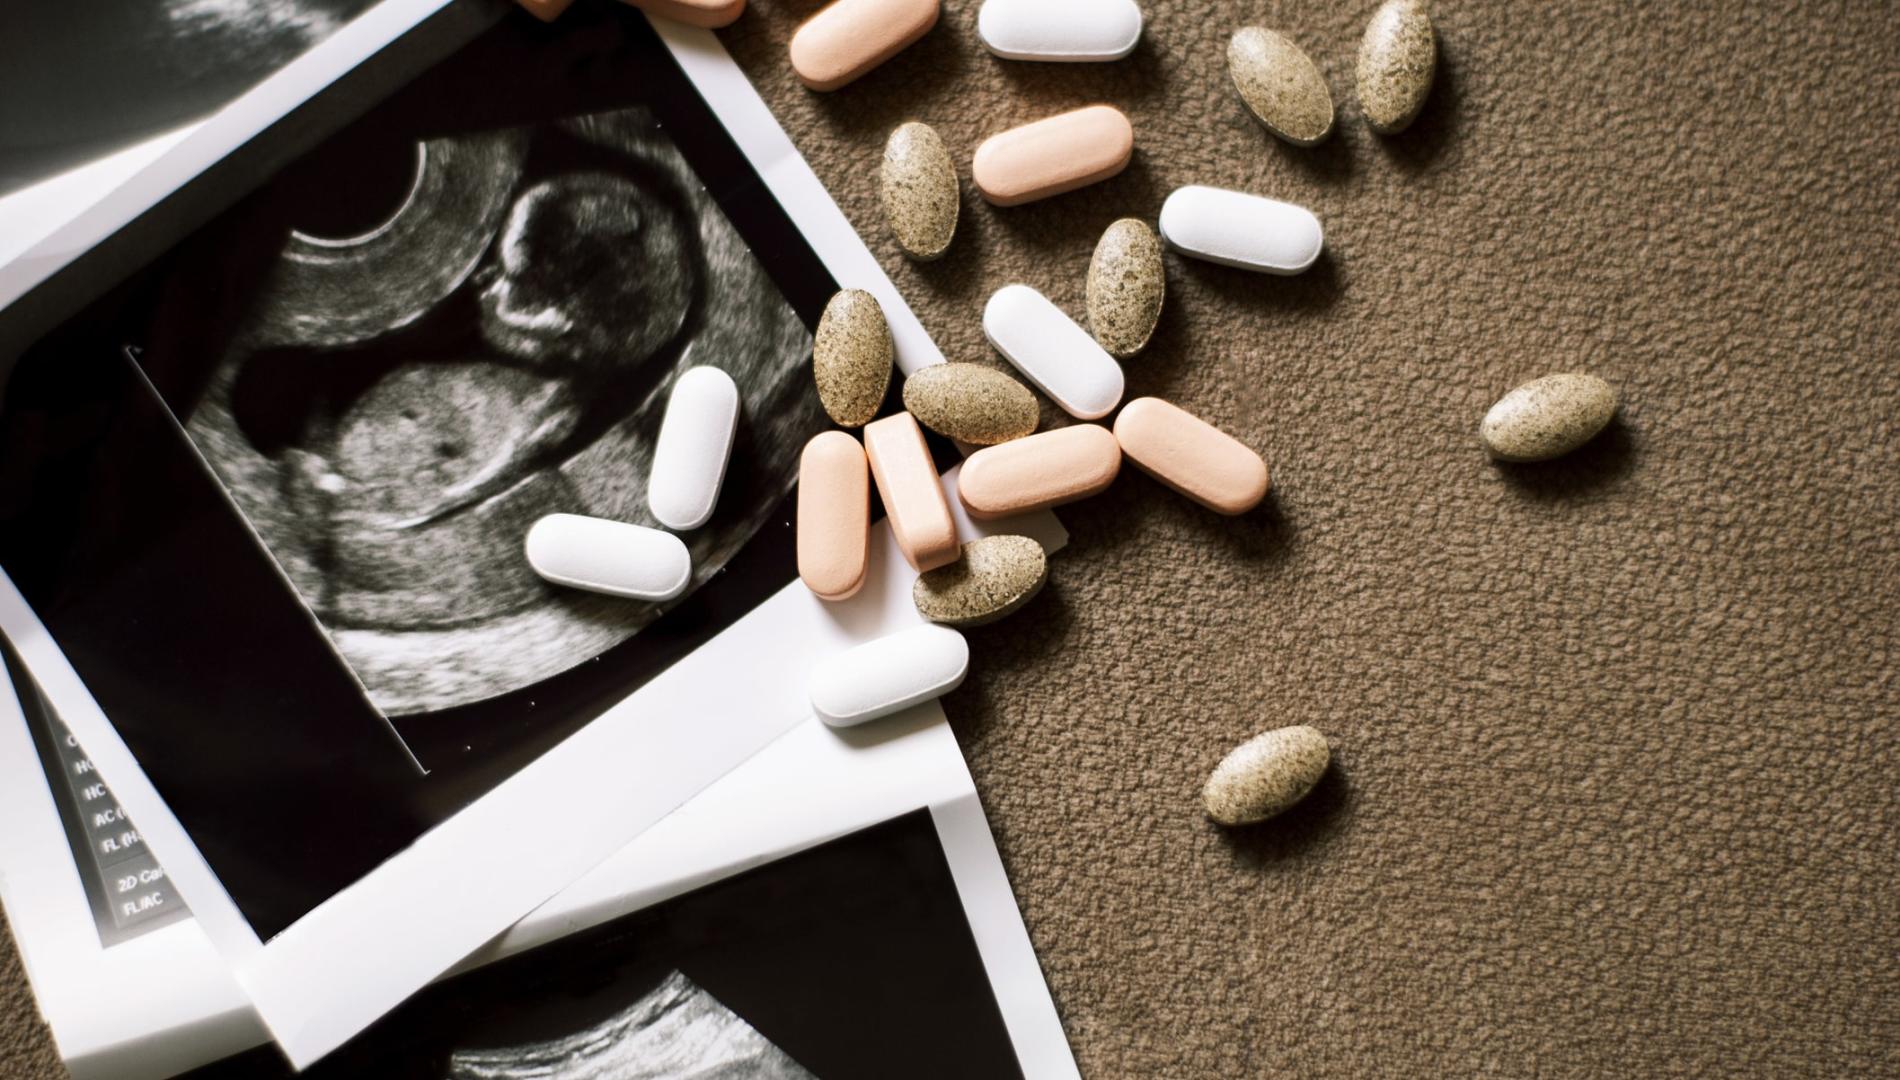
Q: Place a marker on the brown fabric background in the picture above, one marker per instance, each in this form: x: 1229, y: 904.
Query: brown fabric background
x: 1614, y: 790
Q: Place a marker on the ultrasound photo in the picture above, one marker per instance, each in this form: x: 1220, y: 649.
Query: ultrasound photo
x: 397, y: 404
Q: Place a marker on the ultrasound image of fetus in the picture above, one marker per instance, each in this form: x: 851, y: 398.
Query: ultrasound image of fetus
x: 402, y: 402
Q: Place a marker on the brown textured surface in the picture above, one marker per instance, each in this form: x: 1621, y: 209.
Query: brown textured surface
x: 1614, y: 736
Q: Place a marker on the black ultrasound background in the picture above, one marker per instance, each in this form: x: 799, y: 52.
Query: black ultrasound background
x: 854, y: 957
x: 248, y: 724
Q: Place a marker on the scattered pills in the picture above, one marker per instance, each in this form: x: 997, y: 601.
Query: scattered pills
x: 995, y: 577
x: 1061, y: 30
x: 1125, y: 287
x: 1234, y: 228
x: 1280, y: 85
x: 834, y: 515
x: 711, y: 14
x: 917, y: 186
x: 971, y: 403
x: 609, y: 557
x: 1052, y: 352
x: 889, y: 674
x: 1191, y: 456
x: 1548, y: 417
x: 913, y: 497
x: 1053, y: 155
x: 689, y: 459
x: 1038, y: 472
x: 851, y: 357
x: 1397, y: 59
x: 1265, y: 775
x: 850, y: 37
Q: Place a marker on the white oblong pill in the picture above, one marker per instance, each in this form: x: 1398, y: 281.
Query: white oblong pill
x: 609, y: 557
x: 689, y: 461
x: 1061, y: 358
x: 1060, y: 30
x: 1234, y: 228
x: 889, y: 674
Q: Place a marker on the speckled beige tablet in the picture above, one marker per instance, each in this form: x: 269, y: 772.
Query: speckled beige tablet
x: 913, y: 497
x: 1053, y: 155
x: 1548, y: 417
x: 1265, y: 775
x: 1397, y: 59
x: 917, y: 186
x: 1038, y: 472
x: 994, y: 578
x: 834, y: 515
x: 711, y: 14
x: 1191, y: 456
x: 850, y: 37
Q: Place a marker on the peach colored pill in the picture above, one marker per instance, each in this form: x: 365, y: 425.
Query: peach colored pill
x: 1039, y: 471
x: 834, y: 515
x: 1191, y: 456
x: 711, y: 14
x: 1053, y: 155
x: 913, y: 497
x: 850, y: 37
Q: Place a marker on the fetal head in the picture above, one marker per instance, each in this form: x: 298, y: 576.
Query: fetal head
x: 590, y: 270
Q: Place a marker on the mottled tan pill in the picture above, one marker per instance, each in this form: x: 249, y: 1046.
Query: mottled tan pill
x: 834, y: 515
x: 1053, y: 155
x: 1548, y: 417
x: 1191, y: 456
x: 971, y: 403
x: 918, y: 187
x: 913, y: 497
x: 1125, y: 287
x: 850, y: 37
x: 1397, y: 59
x: 1280, y: 85
x: 711, y: 14
x: 1041, y: 471
x: 851, y: 357
x: 995, y: 577
x: 1265, y: 775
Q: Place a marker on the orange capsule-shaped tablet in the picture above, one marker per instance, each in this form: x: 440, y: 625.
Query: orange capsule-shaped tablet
x: 1053, y: 155
x: 850, y: 37
x: 834, y: 515
x: 711, y: 14
x: 1039, y: 471
x: 913, y: 496
x: 1191, y: 456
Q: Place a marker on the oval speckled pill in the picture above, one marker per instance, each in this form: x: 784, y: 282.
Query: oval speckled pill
x: 889, y: 675
x: 994, y: 578
x: 1548, y: 417
x: 1234, y: 228
x: 1052, y: 352
x: 609, y: 557
x: 1126, y: 285
x: 1053, y: 155
x: 917, y: 187
x: 1265, y: 775
x: 1059, y: 30
x: 1280, y: 85
x: 851, y: 357
x: 850, y: 37
x: 970, y: 403
x: 1191, y: 456
x: 1397, y: 59
x: 1038, y: 472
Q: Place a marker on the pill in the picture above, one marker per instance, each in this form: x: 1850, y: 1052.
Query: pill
x: 1234, y: 228
x: 1044, y: 470
x: 1062, y: 30
x: 850, y: 37
x: 834, y: 515
x: 610, y: 557
x: 1125, y: 287
x: 1548, y: 417
x: 1280, y: 85
x: 994, y: 577
x: 1265, y: 775
x: 913, y: 497
x: 1191, y: 456
x: 889, y: 674
x: 851, y: 357
x: 1397, y: 59
x: 1053, y: 155
x: 971, y: 403
x: 917, y: 187
x: 711, y: 14
x: 689, y: 458
x: 1052, y: 352
x: 546, y: 10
